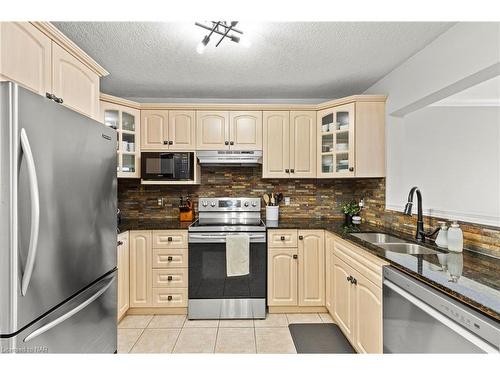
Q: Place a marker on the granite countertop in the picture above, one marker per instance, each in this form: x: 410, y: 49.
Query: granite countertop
x: 476, y: 277
x: 152, y: 224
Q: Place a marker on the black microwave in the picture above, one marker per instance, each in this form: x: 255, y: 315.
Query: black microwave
x: 167, y: 166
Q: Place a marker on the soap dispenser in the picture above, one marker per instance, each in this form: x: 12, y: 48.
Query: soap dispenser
x: 442, y: 237
x: 455, y: 238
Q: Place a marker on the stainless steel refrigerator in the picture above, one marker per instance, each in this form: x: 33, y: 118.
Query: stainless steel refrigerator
x: 57, y: 228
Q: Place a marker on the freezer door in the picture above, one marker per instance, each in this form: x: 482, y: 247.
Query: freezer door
x: 84, y: 324
x: 66, y: 206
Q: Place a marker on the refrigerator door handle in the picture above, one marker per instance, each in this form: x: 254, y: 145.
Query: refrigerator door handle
x: 70, y: 313
x: 35, y: 212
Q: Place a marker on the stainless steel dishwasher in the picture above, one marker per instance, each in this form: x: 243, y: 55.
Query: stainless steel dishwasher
x: 420, y: 319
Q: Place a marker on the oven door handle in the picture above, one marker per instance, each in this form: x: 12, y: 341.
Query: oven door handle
x: 464, y: 333
x: 223, y: 237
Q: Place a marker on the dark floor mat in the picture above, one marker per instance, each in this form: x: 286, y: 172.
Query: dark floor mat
x: 319, y: 338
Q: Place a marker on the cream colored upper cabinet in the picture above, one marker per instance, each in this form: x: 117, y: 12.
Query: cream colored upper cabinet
x: 74, y: 82
x: 311, y: 268
x: 367, y: 316
x: 302, y: 144
x: 25, y: 56
x: 182, y: 130
x: 141, y: 279
x: 350, y: 140
x: 212, y: 130
x: 126, y: 122
x: 245, y: 130
x: 154, y: 130
x: 343, y: 297
x: 276, y: 144
x: 122, y: 261
x: 282, y: 277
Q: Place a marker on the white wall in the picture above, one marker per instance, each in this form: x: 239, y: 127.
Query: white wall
x: 463, y: 56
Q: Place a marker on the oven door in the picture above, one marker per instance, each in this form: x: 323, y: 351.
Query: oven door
x: 214, y: 295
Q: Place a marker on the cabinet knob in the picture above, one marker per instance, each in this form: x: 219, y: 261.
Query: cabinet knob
x: 295, y: 256
x: 169, y: 278
x: 351, y: 169
x: 287, y: 170
x: 169, y: 259
x: 165, y: 142
x: 292, y: 170
x: 231, y: 143
x: 282, y: 238
x: 169, y: 239
x: 169, y: 298
x: 349, y: 278
x: 301, y: 237
x: 226, y: 143
x: 119, y: 243
x: 170, y: 142
x: 354, y: 281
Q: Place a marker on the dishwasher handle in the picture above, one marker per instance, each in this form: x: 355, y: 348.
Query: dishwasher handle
x: 466, y: 334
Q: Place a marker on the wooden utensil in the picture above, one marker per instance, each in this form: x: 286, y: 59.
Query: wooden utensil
x: 273, y: 201
x: 266, y: 198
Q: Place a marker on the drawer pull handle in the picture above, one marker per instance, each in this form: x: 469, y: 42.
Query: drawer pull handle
x: 169, y: 259
x: 295, y: 256
x: 169, y: 239
x: 169, y: 278
x: 169, y: 298
x: 119, y: 243
x: 282, y: 238
x: 301, y: 237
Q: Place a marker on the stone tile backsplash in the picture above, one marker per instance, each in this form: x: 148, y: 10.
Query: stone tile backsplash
x: 309, y: 199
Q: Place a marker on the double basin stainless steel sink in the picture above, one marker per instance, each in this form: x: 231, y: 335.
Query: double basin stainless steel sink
x: 394, y: 244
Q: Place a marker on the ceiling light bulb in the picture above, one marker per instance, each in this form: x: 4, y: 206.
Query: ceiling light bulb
x: 200, y: 48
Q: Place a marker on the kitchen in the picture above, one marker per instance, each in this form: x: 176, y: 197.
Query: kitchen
x: 221, y: 213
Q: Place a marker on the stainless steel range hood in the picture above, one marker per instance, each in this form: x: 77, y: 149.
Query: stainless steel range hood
x: 230, y: 157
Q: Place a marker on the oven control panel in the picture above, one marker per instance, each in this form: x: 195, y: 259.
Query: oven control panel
x: 229, y: 204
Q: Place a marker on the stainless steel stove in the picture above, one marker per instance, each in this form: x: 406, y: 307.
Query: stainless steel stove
x: 212, y: 294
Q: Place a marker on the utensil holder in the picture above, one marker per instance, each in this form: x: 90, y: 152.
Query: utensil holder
x: 272, y: 213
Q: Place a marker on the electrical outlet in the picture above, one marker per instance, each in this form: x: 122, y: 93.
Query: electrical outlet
x: 287, y: 201
x: 161, y: 202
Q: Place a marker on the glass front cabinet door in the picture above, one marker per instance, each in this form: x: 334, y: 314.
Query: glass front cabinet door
x: 336, y: 141
x: 126, y: 122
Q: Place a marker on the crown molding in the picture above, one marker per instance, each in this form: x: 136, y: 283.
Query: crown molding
x: 58, y: 37
x: 243, y: 106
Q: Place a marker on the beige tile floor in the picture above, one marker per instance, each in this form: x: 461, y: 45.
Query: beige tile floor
x: 176, y: 334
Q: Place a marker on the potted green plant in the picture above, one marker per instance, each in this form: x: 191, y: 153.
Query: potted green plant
x: 350, y: 209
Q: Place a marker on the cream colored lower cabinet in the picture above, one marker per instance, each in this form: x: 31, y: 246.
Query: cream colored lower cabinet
x: 282, y: 276
x: 311, y: 268
x: 329, y: 238
x: 122, y: 261
x: 296, y: 275
x: 343, y: 297
x: 158, y: 272
x: 357, y: 295
x: 140, y: 268
x: 368, y: 316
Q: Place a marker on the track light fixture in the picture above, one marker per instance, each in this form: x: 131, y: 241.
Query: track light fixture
x: 223, y: 28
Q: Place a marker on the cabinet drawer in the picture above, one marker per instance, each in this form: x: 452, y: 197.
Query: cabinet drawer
x: 282, y: 238
x: 170, y: 239
x: 170, y: 258
x: 170, y: 297
x: 170, y: 278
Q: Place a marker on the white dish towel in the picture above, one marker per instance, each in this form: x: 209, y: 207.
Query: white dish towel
x: 237, y: 255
